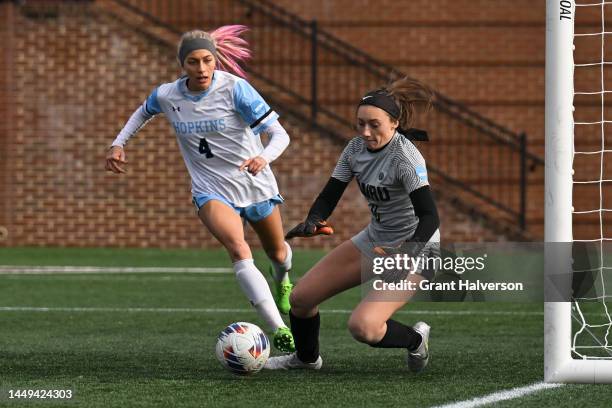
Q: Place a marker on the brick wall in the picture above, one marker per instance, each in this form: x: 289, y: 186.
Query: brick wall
x: 486, y: 54
x: 77, y: 74
x: 7, y: 112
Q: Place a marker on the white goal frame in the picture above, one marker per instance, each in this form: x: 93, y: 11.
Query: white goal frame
x: 559, y: 366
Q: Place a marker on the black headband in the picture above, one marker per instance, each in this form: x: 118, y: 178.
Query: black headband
x: 192, y: 44
x: 381, y: 99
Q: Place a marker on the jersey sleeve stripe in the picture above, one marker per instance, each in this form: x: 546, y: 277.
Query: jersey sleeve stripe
x: 258, y: 121
x: 152, y: 104
x: 266, y: 120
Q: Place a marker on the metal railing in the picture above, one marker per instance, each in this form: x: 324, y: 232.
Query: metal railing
x: 298, y: 64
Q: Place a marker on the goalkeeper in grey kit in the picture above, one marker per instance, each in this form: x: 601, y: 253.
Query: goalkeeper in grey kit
x: 392, y: 176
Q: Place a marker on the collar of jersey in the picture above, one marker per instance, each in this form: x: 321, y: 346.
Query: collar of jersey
x: 385, y: 146
x: 190, y: 96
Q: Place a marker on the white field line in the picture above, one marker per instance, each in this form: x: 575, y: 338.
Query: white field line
x: 223, y: 310
x: 501, y: 396
x: 45, y: 270
x: 122, y: 309
x: 117, y: 277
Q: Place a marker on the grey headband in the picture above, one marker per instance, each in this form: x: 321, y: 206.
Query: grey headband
x: 192, y: 44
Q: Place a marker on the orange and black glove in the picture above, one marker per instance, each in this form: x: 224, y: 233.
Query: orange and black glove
x: 310, y: 228
x: 321, y: 209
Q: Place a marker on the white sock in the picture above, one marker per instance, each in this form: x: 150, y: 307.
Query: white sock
x: 281, y: 270
x: 269, y: 312
x: 256, y: 289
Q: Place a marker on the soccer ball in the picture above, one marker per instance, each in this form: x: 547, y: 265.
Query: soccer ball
x: 242, y: 348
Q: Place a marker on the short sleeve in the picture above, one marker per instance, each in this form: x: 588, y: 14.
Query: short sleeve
x: 343, y: 170
x: 410, y: 165
x: 413, y: 175
x: 151, y: 104
x: 251, y: 107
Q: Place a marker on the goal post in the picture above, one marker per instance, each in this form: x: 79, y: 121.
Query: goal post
x: 559, y: 362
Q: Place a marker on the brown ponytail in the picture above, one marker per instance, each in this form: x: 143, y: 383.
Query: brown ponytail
x: 412, y: 97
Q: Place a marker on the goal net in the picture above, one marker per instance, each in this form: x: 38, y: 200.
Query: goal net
x: 578, y: 202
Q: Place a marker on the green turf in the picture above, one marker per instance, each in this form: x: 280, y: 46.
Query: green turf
x: 130, y: 257
x: 162, y: 354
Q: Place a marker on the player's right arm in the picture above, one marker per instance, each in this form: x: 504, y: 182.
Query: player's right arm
x: 322, y: 208
x: 328, y: 198
x: 115, y: 156
x: 115, y: 159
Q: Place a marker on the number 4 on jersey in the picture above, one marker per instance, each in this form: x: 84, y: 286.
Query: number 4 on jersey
x: 204, y: 148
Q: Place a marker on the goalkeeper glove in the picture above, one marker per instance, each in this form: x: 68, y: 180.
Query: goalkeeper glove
x: 309, y: 228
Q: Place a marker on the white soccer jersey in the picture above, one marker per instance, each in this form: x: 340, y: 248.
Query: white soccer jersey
x: 217, y: 130
x: 386, y: 178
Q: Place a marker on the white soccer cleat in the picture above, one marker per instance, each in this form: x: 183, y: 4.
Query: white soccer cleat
x: 291, y: 362
x: 418, y: 359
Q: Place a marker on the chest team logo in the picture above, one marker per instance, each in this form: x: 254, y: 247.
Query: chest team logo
x: 374, y: 193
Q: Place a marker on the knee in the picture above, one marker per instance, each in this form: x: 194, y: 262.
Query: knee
x: 300, y: 304
x: 366, y: 330
x: 277, y: 255
x: 238, y: 249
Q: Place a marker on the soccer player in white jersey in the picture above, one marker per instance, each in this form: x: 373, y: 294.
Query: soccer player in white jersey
x: 218, y: 117
x: 392, y: 176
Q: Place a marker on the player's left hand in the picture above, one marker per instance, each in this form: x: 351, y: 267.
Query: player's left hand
x: 254, y: 165
x: 407, y: 247
x: 380, y: 251
x: 395, y: 273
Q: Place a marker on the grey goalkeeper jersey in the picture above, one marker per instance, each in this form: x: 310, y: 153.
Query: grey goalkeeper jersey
x: 386, y: 178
